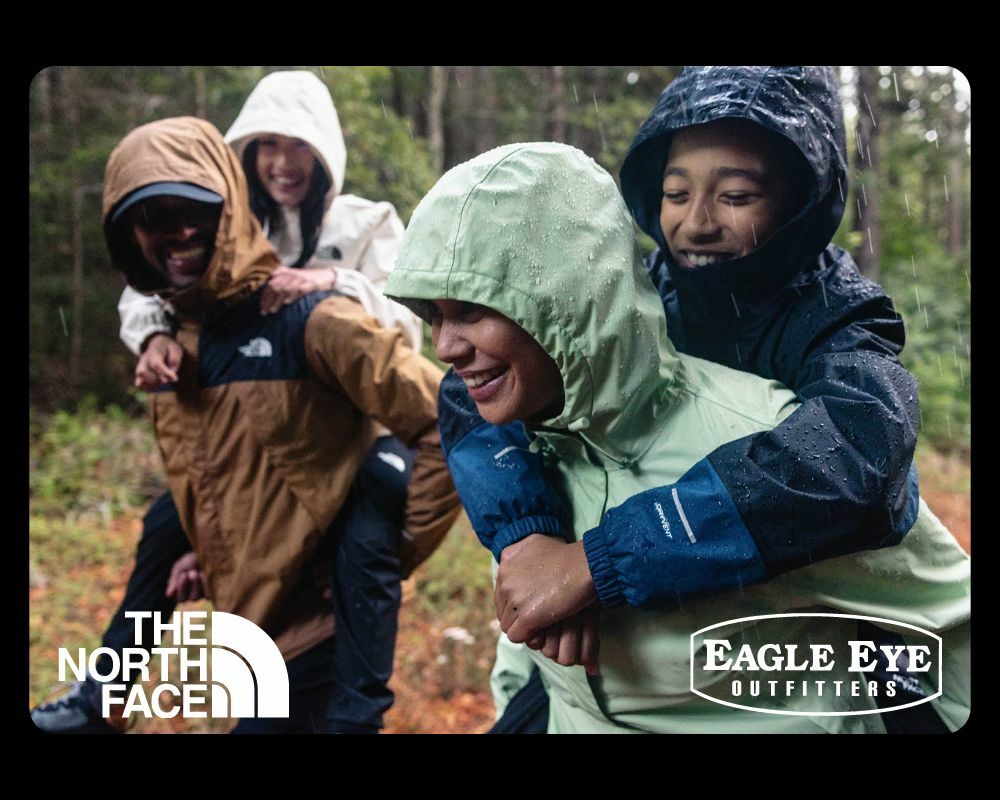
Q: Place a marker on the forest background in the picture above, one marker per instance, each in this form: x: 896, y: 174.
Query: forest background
x: 93, y: 464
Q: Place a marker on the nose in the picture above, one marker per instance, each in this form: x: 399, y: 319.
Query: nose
x: 700, y: 222
x: 449, y: 344
x: 182, y: 231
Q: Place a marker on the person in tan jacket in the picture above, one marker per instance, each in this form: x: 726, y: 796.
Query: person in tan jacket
x: 272, y: 417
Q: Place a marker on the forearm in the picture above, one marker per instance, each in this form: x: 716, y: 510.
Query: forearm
x: 141, y: 317
x: 503, y: 484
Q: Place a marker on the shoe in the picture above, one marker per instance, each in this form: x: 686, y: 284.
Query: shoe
x: 74, y: 712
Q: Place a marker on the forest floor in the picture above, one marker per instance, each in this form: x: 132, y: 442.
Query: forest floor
x: 92, y: 475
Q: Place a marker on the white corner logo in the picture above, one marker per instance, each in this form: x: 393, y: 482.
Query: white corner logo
x: 257, y: 348
x: 241, y: 664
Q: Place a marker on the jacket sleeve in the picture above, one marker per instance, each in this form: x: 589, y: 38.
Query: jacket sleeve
x: 502, y: 483
x: 141, y: 317
x: 395, y: 385
x: 378, y: 257
x: 391, y: 314
x: 834, y: 477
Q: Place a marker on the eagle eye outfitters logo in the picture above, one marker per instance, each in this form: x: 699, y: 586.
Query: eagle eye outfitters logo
x: 241, y: 666
x: 814, y: 664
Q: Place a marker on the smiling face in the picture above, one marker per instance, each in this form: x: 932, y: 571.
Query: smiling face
x: 285, y: 166
x: 727, y: 188
x: 508, y: 374
x: 176, y: 235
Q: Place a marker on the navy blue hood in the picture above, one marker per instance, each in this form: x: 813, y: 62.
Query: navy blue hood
x: 800, y: 104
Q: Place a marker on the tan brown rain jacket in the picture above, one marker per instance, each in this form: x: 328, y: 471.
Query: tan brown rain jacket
x: 271, y: 417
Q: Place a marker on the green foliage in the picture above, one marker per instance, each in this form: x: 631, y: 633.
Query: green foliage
x: 91, y: 463
x: 935, y: 304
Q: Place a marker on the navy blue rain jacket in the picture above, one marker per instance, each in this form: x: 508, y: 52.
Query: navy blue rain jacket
x: 835, y: 477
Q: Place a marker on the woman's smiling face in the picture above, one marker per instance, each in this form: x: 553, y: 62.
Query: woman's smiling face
x: 285, y: 166
x: 508, y: 374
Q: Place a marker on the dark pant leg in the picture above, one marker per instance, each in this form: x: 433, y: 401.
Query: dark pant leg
x: 163, y: 541
x: 310, y: 689
x: 366, y: 588
x: 527, y: 711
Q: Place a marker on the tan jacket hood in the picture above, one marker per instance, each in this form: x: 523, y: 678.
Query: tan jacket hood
x: 187, y: 150
x: 298, y: 105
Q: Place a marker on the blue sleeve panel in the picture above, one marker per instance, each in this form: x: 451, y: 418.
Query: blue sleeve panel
x: 502, y: 484
x: 673, y: 542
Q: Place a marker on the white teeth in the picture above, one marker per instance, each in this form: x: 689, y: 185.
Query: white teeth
x: 703, y: 260
x: 286, y: 181
x: 184, y: 255
x: 482, y: 378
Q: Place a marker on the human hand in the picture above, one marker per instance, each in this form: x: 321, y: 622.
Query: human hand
x: 186, y: 580
x: 573, y: 641
x: 159, y: 362
x: 541, y: 581
x: 288, y: 285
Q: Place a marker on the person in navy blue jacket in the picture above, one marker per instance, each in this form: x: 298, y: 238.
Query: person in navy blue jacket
x: 836, y: 476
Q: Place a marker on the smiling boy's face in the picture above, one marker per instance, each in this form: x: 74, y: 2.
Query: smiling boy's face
x: 727, y: 188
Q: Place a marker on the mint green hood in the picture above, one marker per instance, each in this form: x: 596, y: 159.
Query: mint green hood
x: 539, y: 233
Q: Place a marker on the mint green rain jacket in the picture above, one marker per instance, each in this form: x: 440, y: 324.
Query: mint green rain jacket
x: 539, y: 233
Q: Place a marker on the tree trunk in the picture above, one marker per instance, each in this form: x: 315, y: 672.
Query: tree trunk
x: 72, y: 112
x: 556, y: 129
x: 435, y: 116
x: 955, y: 208
x: 485, y: 99
x: 867, y: 222
x: 200, y: 93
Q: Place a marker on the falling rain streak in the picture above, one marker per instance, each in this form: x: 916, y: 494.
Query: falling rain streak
x: 575, y: 95
x: 868, y: 153
x: 940, y: 365
x: 913, y: 261
x: 753, y: 230
x: 857, y: 138
x: 906, y: 200
x: 967, y: 279
x: 707, y: 217
x: 733, y: 297
x: 600, y: 124
x: 409, y: 127
x: 384, y: 112
x: 63, y: 318
x: 840, y: 186
x: 945, y: 187
x: 869, y: 105
x: 927, y: 322
x: 871, y: 249
x: 895, y: 85
x: 864, y: 194
x: 822, y: 287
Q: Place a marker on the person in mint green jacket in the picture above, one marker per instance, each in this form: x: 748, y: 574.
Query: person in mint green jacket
x: 525, y: 263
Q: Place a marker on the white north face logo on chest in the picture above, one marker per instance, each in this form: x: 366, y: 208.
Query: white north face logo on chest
x: 257, y: 348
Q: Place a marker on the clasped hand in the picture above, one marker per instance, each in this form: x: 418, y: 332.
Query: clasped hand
x: 545, y: 597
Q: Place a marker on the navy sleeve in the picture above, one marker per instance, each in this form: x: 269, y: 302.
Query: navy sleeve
x: 501, y: 481
x: 835, y: 477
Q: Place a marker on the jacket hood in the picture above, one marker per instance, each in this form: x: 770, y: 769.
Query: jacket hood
x: 799, y: 104
x: 539, y: 233
x: 187, y: 150
x: 298, y: 105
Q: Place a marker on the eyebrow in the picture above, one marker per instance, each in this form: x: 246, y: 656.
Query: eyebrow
x: 722, y: 172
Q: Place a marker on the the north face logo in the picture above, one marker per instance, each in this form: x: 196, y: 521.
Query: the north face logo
x: 257, y: 348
